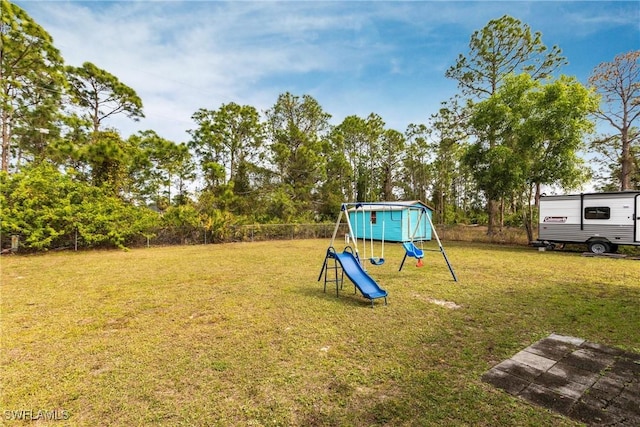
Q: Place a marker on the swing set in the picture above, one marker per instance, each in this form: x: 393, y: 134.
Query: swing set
x: 364, y: 216
x: 348, y: 263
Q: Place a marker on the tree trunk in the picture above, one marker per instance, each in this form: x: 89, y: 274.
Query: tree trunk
x: 626, y: 161
x: 5, y: 126
x: 6, y: 141
x: 529, y: 221
x: 493, y: 207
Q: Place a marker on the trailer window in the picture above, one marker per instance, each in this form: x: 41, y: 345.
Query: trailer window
x: 374, y: 217
x: 600, y: 212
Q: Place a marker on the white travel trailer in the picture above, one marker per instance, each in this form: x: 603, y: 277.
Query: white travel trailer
x: 601, y: 220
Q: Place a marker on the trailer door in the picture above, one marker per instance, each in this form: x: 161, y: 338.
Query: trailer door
x: 636, y: 225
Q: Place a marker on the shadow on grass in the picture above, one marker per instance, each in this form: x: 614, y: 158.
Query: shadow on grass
x: 345, y: 295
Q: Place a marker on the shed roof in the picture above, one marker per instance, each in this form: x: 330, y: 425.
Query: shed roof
x: 380, y: 206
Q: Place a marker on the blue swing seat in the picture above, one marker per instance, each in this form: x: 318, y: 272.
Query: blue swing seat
x: 412, y: 250
x: 376, y: 261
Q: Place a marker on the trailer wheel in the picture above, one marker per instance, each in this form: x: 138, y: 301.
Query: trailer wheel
x: 599, y: 247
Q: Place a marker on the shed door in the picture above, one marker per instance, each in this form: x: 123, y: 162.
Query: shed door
x: 637, y: 219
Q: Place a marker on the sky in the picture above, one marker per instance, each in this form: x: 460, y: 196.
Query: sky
x: 353, y: 57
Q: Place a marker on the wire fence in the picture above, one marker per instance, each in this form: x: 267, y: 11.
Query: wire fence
x: 265, y: 232
x: 169, y: 236
x: 260, y: 232
x: 243, y: 233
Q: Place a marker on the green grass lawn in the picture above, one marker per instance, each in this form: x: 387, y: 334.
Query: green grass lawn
x: 243, y: 334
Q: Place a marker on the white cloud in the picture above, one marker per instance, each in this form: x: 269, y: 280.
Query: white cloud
x: 354, y: 57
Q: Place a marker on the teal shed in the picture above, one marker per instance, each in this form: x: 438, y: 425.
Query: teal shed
x: 401, y: 221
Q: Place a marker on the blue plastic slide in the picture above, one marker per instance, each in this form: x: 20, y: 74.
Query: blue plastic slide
x: 359, y: 277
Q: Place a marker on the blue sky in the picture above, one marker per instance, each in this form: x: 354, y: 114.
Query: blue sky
x: 354, y: 57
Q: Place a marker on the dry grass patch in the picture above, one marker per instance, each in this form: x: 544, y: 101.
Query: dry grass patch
x: 242, y: 334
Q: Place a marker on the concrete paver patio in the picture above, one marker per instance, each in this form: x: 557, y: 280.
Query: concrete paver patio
x: 589, y: 382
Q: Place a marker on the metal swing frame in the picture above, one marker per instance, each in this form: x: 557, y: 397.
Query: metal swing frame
x: 423, y: 212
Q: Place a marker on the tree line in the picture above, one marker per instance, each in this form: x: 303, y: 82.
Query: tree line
x: 517, y: 124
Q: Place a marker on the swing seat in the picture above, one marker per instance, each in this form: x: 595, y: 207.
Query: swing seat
x: 376, y: 261
x: 412, y: 250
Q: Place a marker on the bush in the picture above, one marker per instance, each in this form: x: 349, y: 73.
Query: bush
x: 50, y: 210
